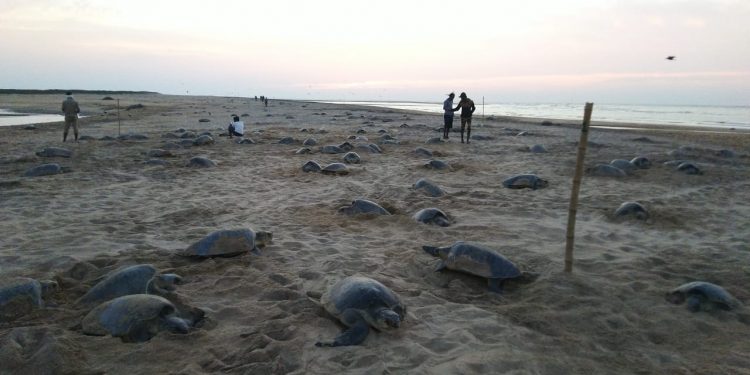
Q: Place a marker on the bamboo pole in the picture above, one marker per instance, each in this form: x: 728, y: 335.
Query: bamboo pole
x: 577, y: 187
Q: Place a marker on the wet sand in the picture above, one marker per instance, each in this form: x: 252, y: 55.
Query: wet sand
x: 608, y: 316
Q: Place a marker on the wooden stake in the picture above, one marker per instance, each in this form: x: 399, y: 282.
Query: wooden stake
x: 577, y: 187
x: 118, y: 117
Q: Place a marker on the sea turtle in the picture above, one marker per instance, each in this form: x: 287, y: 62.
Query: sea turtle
x: 203, y: 140
x: 331, y: 149
x: 625, y: 165
x: 311, y: 166
x: 429, y: 187
x: 132, y: 137
x: 476, y: 260
x: 634, y: 209
x: 436, y: 164
x: 537, y: 149
x: 188, y: 134
x: 689, y: 168
x: 419, y: 151
x: 55, y: 152
x: 725, y: 153
x: 522, y: 181
x: 363, y: 206
x: 435, y: 140
x: 20, y: 296
x: 134, y: 318
x: 44, y: 170
x: 606, y: 170
x: 287, y: 141
x: 310, y: 142
x: 346, y: 146
x: 201, y: 162
x: 702, y: 295
x: 432, y: 216
x: 335, y: 169
x: 641, y: 162
x: 387, y: 137
x: 170, y: 136
x: 228, y: 242
x: 375, y: 148
x: 352, y: 157
x: 360, y: 302
x: 137, y: 279
x: 303, y: 151
x: 159, y: 153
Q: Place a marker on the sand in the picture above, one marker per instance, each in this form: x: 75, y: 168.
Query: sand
x: 608, y: 316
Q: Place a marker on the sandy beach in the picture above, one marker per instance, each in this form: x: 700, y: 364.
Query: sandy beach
x: 111, y: 209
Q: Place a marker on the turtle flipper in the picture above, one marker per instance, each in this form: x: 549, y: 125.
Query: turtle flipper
x: 495, y: 285
x: 355, y: 335
x: 440, y: 266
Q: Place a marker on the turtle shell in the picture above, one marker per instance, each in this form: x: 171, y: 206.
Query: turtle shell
x: 641, y: 162
x: 331, y: 149
x: 363, y: 206
x: 522, y: 181
x: 606, y: 170
x: 623, y: 164
x: 429, y: 187
x: 436, y: 164
x: 711, y: 292
x: 121, y: 282
x: 136, y: 317
x: 480, y: 261
x: 632, y: 209
x: 689, y: 168
x: 352, y: 158
x: 432, y: 216
x: 44, y: 170
x: 223, y: 243
x: 311, y: 166
x: 19, y: 297
x: 201, y: 162
x: 364, y: 294
x: 335, y: 168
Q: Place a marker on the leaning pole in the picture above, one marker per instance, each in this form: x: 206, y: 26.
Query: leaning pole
x: 573, y: 208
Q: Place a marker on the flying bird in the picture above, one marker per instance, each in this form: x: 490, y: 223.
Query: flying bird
x: 670, y: 57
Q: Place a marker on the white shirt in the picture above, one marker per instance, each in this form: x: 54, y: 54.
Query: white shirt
x: 239, y: 127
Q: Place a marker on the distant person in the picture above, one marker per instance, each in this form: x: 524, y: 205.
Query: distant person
x: 448, y: 115
x: 71, y: 110
x: 236, y: 127
x: 256, y: 98
x: 467, y: 109
x: 265, y: 102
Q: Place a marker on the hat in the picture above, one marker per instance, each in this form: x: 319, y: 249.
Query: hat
x: 463, y: 95
x: 451, y: 94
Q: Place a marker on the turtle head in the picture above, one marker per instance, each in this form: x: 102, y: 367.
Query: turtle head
x: 440, y: 252
x: 387, y: 319
x: 348, y: 210
x: 48, y: 287
x: 263, y: 238
x: 541, y: 183
x: 675, y: 297
x: 167, y: 281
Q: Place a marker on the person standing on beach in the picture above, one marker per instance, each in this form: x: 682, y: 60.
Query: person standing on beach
x: 467, y: 109
x: 448, y: 115
x: 71, y: 110
x: 236, y: 127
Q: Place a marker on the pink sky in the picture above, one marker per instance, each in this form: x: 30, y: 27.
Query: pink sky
x: 542, y: 51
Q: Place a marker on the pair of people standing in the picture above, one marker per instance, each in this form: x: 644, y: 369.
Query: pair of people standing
x: 467, y: 109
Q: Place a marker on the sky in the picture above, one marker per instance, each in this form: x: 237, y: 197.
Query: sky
x: 537, y: 51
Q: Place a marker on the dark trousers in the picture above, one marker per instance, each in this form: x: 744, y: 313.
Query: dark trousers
x: 465, y: 125
x: 448, y: 125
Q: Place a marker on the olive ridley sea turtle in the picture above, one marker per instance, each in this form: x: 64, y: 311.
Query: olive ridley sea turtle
x: 134, y: 318
x: 137, y: 279
x: 432, y: 216
x: 359, y: 303
x: 22, y: 295
x: 633, y: 209
x: 702, y: 295
x: 522, y: 181
x: 363, y: 206
x: 476, y: 260
x: 228, y: 243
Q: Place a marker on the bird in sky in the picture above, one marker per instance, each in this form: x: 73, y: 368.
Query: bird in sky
x: 670, y: 57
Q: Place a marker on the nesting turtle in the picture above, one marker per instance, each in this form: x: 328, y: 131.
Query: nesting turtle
x: 22, y: 295
x: 606, y: 170
x: 360, y: 303
x: 137, y: 279
x: 625, y: 165
x: 201, y: 162
x: 419, y: 151
x: 346, y: 146
x: 689, y: 168
x: 287, y: 141
x: 476, y: 260
x: 310, y: 142
x: 339, y: 169
x: 331, y: 149
x: 203, y: 140
x: 702, y: 295
x: 525, y: 181
x: 432, y: 216
x: 55, y: 152
x: 435, y: 140
x: 303, y: 151
x: 632, y: 209
x: 641, y: 162
x: 311, y: 166
x: 352, y: 157
x: 429, y: 187
x: 363, y: 206
x: 44, y: 170
x: 436, y: 164
x: 135, y: 318
x: 159, y: 153
x: 228, y: 242
x: 537, y: 149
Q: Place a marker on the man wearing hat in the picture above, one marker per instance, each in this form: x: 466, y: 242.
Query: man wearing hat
x: 448, y: 115
x: 467, y: 108
x: 71, y: 110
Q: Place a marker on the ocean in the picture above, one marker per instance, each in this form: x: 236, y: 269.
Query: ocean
x: 9, y: 118
x: 724, y: 117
